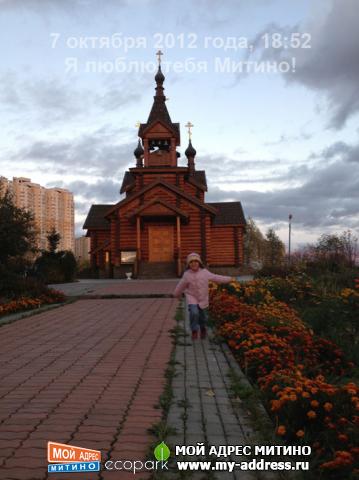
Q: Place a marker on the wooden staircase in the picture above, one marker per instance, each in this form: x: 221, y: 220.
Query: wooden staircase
x: 157, y: 270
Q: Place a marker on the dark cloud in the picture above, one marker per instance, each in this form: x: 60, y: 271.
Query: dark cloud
x: 98, y: 153
x: 328, y: 194
x: 331, y: 64
x: 102, y: 191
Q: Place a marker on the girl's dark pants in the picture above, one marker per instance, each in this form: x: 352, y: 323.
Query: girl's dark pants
x: 198, y: 317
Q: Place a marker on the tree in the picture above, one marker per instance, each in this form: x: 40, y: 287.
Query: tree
x: 274, y: 249
x: 55, y: 266
x: 334, y: 251
x: 53, y: 240
x: 350, y: 247
x: 17, y: 230
x: 254, y: 244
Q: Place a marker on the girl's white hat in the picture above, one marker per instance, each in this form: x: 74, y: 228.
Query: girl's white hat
x: 194, y: 256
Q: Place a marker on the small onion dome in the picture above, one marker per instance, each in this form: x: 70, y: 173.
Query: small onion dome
x: 139, y: 151
x: 190, y: 151
x: 160, y: 78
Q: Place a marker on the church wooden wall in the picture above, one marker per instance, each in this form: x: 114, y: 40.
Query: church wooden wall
x: 217, y: 245
x: 150, y: 178
x: 191, y: 232
x: 222, y: 247
x: 227, y: 245
x: 97, y: 238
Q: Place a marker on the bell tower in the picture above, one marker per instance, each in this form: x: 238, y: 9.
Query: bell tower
x: 159, y: 135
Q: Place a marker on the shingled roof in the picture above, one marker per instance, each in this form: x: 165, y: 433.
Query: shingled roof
x: 199, y: 178
x: 229, y: 213
x: 128, y: 181
x: 96, y: 217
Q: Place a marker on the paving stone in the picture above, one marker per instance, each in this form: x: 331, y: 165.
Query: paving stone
x: 83, y: 373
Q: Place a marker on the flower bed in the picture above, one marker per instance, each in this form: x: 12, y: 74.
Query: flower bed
x: 28, y: 303
x: 292, y: 366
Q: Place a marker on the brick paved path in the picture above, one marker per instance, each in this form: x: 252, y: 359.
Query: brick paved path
x: 118, y: 287
x: 87, y: 374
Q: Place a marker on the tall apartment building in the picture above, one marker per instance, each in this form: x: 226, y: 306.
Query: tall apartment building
x: 82, y: 249
x: 52, y: 208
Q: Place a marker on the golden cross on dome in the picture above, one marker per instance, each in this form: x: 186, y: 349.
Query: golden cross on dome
x: 138, y: 124
x: 159, y: 54
x: 189, y: 125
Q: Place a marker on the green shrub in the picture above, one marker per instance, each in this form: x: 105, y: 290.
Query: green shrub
x: 13, y: 285
x: 56, y: 267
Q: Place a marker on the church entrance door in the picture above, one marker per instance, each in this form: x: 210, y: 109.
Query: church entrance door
x: 161, y: 239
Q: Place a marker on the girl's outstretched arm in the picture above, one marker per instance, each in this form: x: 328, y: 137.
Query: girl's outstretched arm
x: 221, y: 278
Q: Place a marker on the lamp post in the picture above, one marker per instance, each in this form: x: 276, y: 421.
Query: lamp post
x: 289, y: 235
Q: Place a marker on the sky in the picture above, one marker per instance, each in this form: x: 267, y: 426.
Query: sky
x: 270, y: 86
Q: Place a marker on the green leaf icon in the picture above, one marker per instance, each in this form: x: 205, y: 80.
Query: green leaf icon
x: 162, y: 452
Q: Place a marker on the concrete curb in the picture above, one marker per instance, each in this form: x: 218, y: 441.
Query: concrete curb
x: 29, y: 313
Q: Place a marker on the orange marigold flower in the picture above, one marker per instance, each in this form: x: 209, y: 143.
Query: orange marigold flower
x: 342, y: 437
x: 311, y: 414
x: 314, y: 403
x: 343, y: 454
x: 281, y: 430
x: 305, y: 394
x: 300, y: 433
x: 328, y: 406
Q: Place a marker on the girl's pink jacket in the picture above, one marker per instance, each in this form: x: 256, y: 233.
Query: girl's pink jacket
x: 195, y: 286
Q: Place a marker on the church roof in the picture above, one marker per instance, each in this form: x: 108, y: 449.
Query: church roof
x: 165, y: 184
x: 229, y: 213
x: 127, y: 182
x: 96, y: 218
x: 198, y: 178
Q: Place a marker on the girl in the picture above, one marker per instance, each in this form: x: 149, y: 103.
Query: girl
x: 194, y: 284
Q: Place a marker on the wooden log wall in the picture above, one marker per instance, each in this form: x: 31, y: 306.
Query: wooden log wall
x: 222, y: 246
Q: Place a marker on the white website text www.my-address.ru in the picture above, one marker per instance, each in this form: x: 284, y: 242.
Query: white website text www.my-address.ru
x: 254, y: 465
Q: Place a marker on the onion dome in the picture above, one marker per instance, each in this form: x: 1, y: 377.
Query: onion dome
x: 159, y: 78
x: 139, y: 151
x: 190, y: 151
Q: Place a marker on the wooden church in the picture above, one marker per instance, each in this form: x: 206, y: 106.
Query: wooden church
x: 163, y: 216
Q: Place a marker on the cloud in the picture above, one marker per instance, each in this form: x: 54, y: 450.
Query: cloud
x: 283, y: 139
x: 99, y: 153
x: 212, y: 13
x: 331, y: 65
x: 51, y: 100
x: 103, y: 191
x: 64, y: 5
x: 328, y: 194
